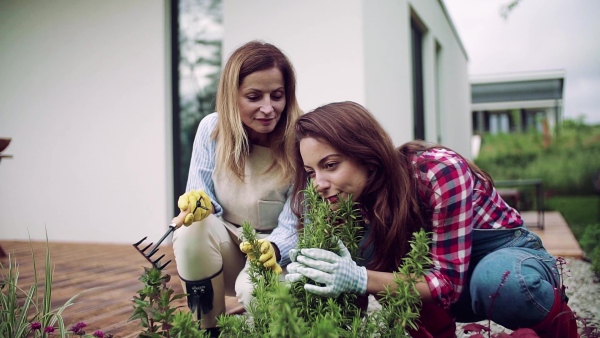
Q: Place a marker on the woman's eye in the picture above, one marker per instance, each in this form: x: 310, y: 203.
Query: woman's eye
x: 277, y: 96
x: 330, y: 165
x: 310, y: 173
x: 253, y: 97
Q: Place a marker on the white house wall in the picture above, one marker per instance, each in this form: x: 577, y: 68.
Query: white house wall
x: 388, y: 66
x: 323, y: 39
x: 453, y: 98
x: 84, y: 95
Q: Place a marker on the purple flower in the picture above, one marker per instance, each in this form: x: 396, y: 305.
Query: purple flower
x: 99, y: 334
x: 36, y: 326
x: 77, y: 327
x: 49, y: 329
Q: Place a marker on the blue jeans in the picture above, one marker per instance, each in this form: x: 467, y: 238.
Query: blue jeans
x: 527, y: 294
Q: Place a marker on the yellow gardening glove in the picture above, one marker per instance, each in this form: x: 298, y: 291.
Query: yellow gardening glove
x: 267, y: 256
x: 188, y: 202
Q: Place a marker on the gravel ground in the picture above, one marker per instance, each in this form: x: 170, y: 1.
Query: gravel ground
x: 583, y: 289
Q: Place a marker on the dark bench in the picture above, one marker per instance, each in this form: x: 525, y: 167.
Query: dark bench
x: 511, y: 195
x: 510, y: 189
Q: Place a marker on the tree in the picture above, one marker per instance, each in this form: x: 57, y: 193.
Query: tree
x: 200, y: 31
x: 508, y: 8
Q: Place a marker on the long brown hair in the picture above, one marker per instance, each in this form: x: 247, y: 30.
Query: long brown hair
x: 417, y: 146
x: 233, y: 145
x: 390, y: 200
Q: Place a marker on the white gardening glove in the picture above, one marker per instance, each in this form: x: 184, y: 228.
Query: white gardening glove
x: 292, y: 272
x: 293, y: 254
x: 339, y: 274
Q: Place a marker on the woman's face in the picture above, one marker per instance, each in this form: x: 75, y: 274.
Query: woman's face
x: 261, y: 100
x: 332, y: 172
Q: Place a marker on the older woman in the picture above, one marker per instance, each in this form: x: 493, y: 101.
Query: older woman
x: 241, y: 170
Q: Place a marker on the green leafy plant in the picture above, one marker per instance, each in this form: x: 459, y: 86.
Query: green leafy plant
x: 153, y: 307
x: 403, y: 302
x: 26, y: 313
x: 576, y: 141
x: 321, y: 229
x: 589, y: 243
x: 288, y: 310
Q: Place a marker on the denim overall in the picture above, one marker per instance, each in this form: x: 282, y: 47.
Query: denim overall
x: 525, y: 297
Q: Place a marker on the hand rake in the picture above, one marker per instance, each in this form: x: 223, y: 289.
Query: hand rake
x: 172, y: 227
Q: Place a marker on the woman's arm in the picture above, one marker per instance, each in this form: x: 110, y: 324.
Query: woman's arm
x: 202, y: 163
x: 285, y: 236
x: 377, y: 281
x: 450, y: 197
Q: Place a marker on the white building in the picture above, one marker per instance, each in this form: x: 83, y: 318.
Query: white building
x: 85, y: 94
x: 514, y: 102
x: 360, y: 50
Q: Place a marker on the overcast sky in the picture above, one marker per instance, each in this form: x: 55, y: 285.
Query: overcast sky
x: 537, y: 35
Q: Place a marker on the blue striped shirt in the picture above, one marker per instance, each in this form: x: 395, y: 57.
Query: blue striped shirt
x: 202, y: 166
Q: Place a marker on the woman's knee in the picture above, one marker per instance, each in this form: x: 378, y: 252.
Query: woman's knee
x: 243, y: 287
x: 197, y: 250
x: 191, y: 240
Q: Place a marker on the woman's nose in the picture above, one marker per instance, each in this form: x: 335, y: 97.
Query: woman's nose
x: 266, y: 106
x: 321, y: 183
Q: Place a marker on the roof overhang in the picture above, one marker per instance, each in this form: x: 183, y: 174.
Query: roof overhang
x: 518, y: 88
x: 534, y: 104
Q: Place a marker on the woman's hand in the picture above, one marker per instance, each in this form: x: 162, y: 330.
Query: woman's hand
x: 194, y: 205
x: 338, y: 273
x: 267, y: 257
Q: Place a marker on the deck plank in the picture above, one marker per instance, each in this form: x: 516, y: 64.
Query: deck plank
x: 556, y: 235
x: 107, y: 274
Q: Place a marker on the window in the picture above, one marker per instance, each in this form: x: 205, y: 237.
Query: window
x: 417, y: 67
x: 196, y: 39
x: 438, y: 92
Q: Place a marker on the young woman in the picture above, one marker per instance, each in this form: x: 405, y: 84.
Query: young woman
x: 241, y: 170
x: 478, y: 241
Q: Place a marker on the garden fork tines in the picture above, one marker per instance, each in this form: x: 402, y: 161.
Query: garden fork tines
x: 148, y: 256
x: 156, y: 262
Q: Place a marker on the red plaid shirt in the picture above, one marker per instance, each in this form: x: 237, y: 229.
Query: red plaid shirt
x: 459, y: 204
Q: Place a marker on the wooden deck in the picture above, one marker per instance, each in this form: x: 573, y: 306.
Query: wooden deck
x: 556, y: 235
x: 108, y: 274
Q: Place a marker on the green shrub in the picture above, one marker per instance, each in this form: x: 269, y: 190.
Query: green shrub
x: 288, y: 310
x: 589, y: 244
x: 567, y: 166
x: 153, y: 307
x: 578, y: 211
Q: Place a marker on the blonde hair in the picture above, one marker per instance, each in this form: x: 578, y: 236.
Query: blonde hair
x: 233, y: 146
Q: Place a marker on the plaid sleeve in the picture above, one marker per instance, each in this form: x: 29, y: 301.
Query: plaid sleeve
x: 202, y: 163
x: 450, y: 197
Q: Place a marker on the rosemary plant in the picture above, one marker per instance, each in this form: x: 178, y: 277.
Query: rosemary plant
x: 322, y: 227
x: 153, y: 308
x: 402, y: 303
x: 288, y: 310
